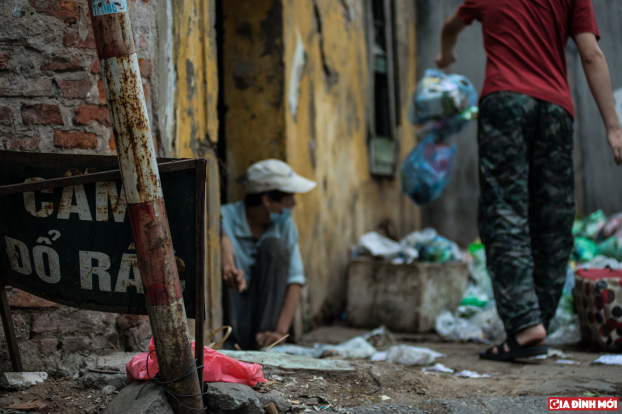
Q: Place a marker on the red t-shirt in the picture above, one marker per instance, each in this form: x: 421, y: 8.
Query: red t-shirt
x: 525, y: 41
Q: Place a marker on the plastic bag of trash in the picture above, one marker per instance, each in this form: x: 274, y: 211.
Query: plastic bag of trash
x: 584, y: 249
x: 411, y: 355
x: 439, y: 95
x: 612, y: 247
x: 445, y: 127
x: 590, y: 226
x: 611, y: 227
x: 426, y: 171
x: 218, y: 368
x: 356, y: 347
x: 453, y: 328
x: 432, y: 247
x: 379, y: 246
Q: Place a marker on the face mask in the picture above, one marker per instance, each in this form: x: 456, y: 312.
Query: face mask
x: 279, y: 218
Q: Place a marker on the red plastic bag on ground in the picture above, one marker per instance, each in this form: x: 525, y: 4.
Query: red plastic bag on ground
x: 218, y: 368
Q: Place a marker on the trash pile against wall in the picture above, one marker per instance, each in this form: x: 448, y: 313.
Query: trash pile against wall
x: 444, y: 105
x: 425, y: 246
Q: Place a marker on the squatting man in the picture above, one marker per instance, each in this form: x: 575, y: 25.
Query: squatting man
x: 261, y: 261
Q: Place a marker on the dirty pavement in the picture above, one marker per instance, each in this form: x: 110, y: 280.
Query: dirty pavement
x: 365, y: 386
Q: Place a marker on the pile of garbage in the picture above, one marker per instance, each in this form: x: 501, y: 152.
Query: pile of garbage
x: 364, y: 347
x: 443, y: 105
x: 425, y: 246
x: 598, y: 241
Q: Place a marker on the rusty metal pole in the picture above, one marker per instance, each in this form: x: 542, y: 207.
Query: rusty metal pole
x: 139, y: 170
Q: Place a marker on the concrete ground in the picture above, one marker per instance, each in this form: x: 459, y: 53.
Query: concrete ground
x: 517, y: 387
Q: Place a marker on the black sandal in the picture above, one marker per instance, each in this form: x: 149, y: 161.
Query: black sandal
x: 516, y: 351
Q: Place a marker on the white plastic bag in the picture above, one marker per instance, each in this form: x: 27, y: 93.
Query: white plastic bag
x: 411, y: 355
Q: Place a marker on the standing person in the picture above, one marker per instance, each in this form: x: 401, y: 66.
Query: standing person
x: 261, y: 261
x: 525, y: 152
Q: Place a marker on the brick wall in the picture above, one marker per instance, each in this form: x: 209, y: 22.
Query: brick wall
x: 51, y: 93
x: 52, y: 100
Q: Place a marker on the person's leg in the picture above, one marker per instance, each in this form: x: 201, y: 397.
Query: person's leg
x: 552, y: 205
x: 270, y: 283
x: 238, y: 314
x: 505, y: 120
x: 257, y: 310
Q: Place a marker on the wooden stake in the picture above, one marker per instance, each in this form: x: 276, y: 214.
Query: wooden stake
x: 271, y: 409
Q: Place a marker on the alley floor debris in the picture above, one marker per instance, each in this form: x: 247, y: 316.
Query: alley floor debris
x: 383, y: 387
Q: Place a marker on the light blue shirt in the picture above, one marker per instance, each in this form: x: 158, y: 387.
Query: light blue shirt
x: 235, y: 225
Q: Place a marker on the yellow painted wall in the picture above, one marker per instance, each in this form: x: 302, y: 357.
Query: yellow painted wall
x: 253, y: 84
x: 196, y: 120
x: 196, y: 78
x: 328, y: 140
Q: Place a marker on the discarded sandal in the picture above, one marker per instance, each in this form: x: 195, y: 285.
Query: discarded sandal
x: 516, y: 351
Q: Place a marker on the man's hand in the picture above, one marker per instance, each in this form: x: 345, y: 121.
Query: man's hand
x: 234, y: 278
x: 443, y: 61
x: 614, y: 136
x: 265, y: 339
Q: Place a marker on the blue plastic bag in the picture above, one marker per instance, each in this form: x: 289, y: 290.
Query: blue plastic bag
x: 444, y: 103
x: 426, y: 172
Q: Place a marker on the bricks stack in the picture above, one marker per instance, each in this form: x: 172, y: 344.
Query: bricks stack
x: 51, y: 94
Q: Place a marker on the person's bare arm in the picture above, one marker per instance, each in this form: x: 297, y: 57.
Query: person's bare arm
x: 232, y: 276
x: 292, y: 298
x: 449, y: 37
x: 597, y: 73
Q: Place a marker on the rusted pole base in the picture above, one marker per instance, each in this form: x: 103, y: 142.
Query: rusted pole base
x: 141, y: 180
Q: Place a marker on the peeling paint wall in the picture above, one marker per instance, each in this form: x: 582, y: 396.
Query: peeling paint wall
x: 327, y: 140
x: 320, y: 81
x: 253, y: 81
x: 196, y: 92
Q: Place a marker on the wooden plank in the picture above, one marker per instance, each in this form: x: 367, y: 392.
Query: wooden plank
x: 212, y: 250
x: 199, y: 313
x: 9, y: 328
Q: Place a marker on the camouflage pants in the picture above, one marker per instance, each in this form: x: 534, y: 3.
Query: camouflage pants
x: 526, y: 204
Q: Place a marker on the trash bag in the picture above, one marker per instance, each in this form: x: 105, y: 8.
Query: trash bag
x: 453, y: 328
x: 432, y: 247
x: 356, y: 347
x: 444, y: 104
x: 590, y: 226
x: 439, y: 95
x: 426, y: 172
x: 584, y: 249
x: 411, y: 355
x: 446, y: 127
x: 218, y: 368
x: 612, y: 247
x: 611, y: 227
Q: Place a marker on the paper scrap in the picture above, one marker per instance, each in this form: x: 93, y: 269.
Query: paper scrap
x: 471, y: 374
x: 567, y: 362
x: 438, y: 368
